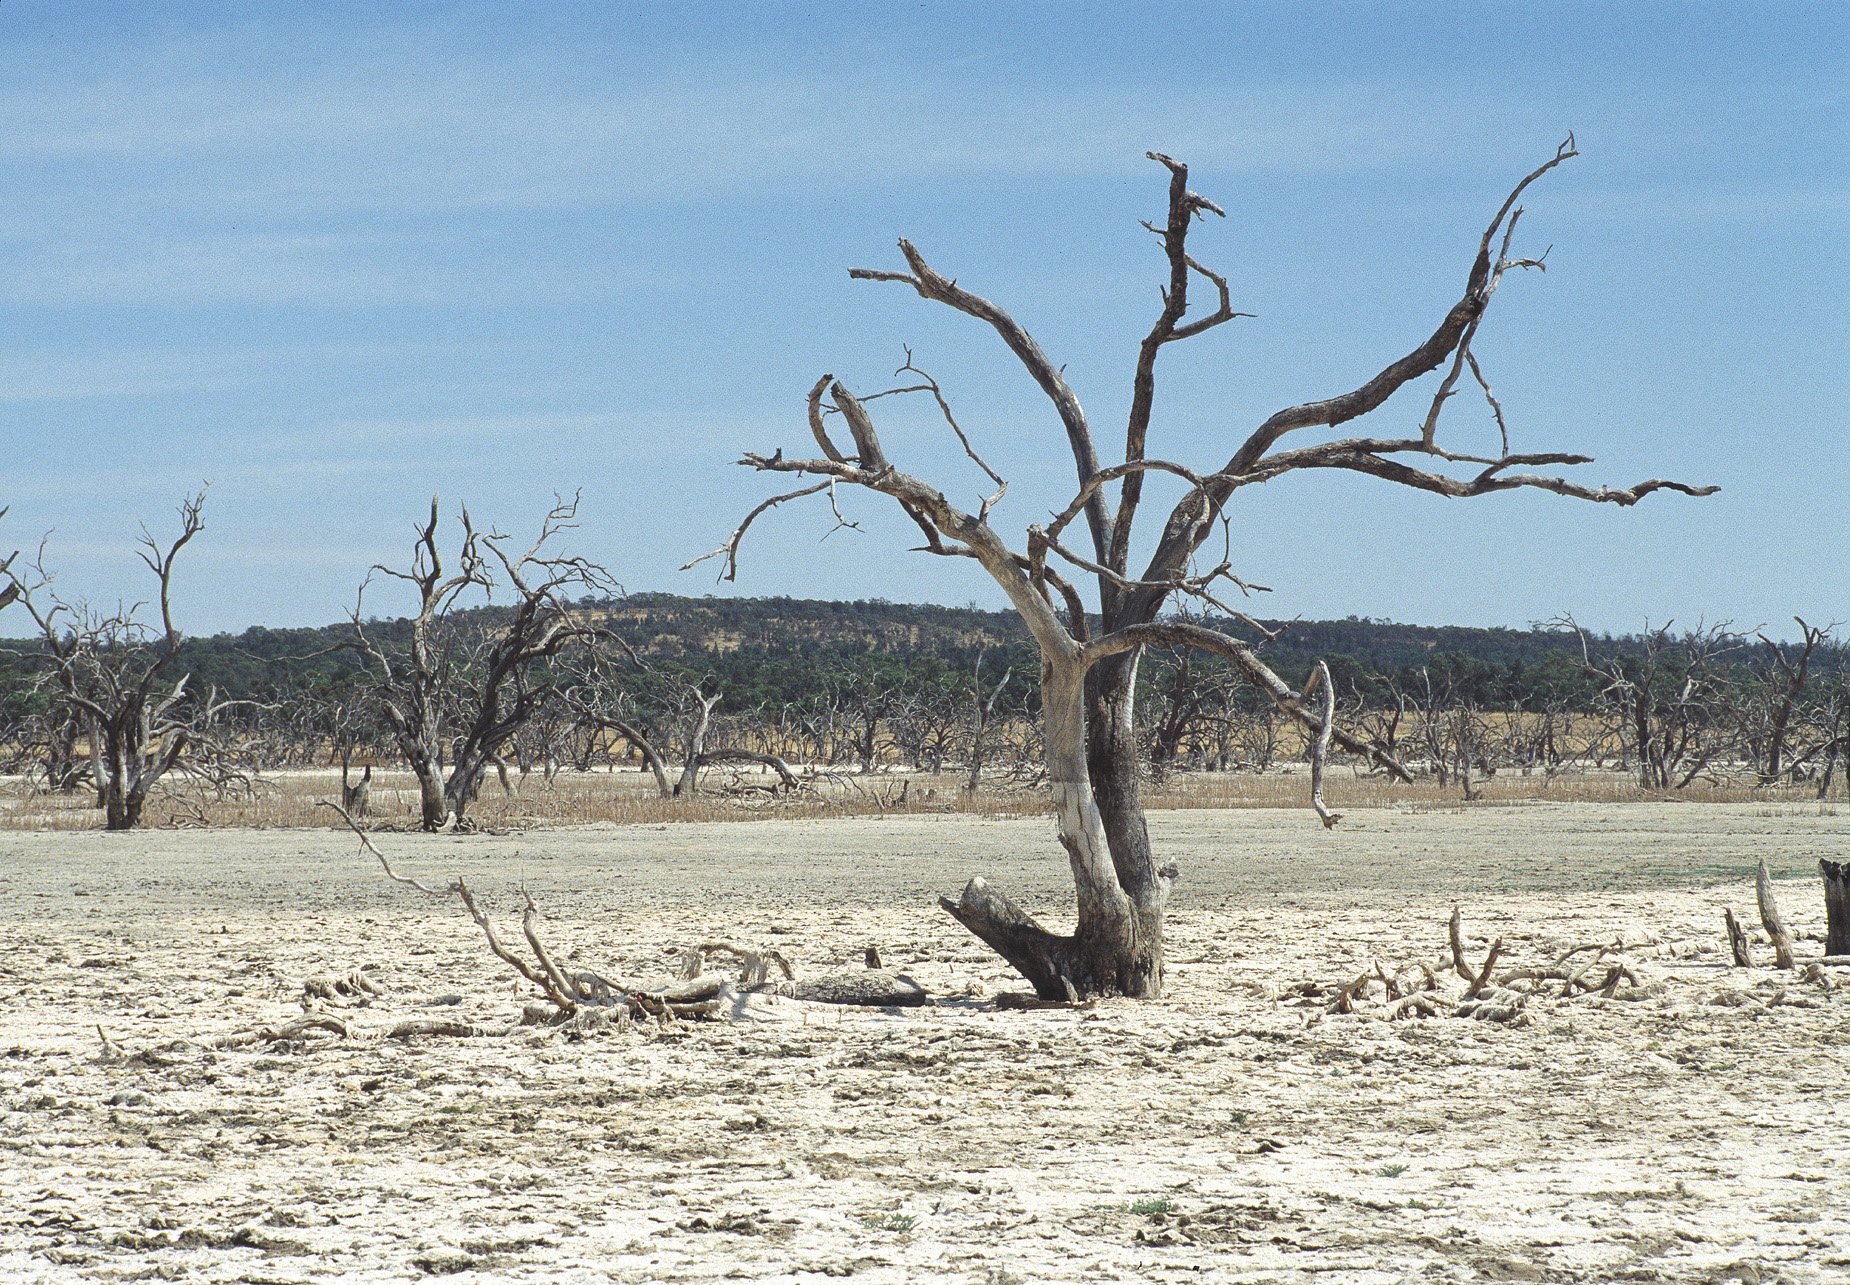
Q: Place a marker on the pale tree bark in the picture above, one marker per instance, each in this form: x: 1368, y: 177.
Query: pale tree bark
x: 1088, y: 676
x: 699, y: 716
x: 982, y: 714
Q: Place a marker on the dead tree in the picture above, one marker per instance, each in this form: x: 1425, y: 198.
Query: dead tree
x: 696, y: 718
x: 462, y: 689
x: 1785, y: 681
x: 599, y: 699
x: 1088, y: 675
x: 982, y: 714
x: 1836, y: 745
x: 119, y: 678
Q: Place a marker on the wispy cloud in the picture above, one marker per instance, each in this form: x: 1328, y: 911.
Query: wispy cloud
x: 213, y: 120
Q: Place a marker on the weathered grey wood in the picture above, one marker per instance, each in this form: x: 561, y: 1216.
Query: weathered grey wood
x: 355, y: 797
x: 861, y: 987
x: 1771, y: 919
x: 1836, y: 906
x: 453, y: 703
x: 1737, y: 940
x: 121, y: 679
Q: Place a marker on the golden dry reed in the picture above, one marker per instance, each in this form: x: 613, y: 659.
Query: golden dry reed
x: 628, y: 797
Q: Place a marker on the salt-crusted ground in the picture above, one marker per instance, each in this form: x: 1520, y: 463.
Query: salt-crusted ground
x: 1225, y: 1134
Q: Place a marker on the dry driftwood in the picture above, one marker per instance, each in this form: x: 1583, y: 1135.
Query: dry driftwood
x: 355, y: 985
x: 1737, y: 940
x: 865, y: 988
x: 569, y: 992
x: 754, y: 965
x: 1418, y: 989
x: 1770, y: 917
x: 287, y: 1033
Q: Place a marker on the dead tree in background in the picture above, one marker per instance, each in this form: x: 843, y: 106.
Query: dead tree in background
x: 1667, y: 697
x: 461, y: 691
x: 982, y: 714
x: 1088, y: 678
x: 1785, y: 682
x: 117, y: 676
x: 1836, y: 746
x: 599, y: 700
x: 676, y: 708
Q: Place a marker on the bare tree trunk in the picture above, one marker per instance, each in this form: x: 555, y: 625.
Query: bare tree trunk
x: 649, y: 757
x: 99, y: 765
x: 696, y: 744
x: 1117, y: 946
x: 1836, y: 906
x: 433, y: 802
x: 984, y: 713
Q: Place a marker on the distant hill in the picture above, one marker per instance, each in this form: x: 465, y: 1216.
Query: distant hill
x: 768, y: 650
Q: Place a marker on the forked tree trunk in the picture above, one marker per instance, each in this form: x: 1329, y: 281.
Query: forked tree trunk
x: 122, y: 808
x: 433, y: 801
x: 1117, y: 944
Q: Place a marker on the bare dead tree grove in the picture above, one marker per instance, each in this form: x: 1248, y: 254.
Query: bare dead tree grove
x: 1153, y: 685
x: 1090, y: 647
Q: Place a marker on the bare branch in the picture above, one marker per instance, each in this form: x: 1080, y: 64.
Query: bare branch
x: 940, y: 289
x: 1171, y: 633
x: 1320, y: 681
x: 730, y: 549
x: 963, y: 439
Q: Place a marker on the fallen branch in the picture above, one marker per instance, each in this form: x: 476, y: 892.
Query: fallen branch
x: 287, y: 1033
x: 569, y: 993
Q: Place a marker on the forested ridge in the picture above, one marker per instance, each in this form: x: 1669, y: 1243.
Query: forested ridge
x: 776, y: 650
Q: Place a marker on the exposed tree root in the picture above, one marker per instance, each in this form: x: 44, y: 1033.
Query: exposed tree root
x: 356, y: 985
x: 1418, y: 989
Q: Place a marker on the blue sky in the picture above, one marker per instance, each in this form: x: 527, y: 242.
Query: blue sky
x: 336, y: 257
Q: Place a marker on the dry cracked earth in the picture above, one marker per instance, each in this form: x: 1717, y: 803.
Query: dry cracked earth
x: 1236, y: 1131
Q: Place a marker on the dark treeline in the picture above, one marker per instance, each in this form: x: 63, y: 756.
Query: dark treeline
x: 678, y: 685
x: 768, y: 651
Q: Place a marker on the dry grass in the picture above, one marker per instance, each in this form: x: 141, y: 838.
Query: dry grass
x: 291, y: 799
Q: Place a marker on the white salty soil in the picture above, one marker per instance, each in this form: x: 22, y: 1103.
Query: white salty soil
x: 1227, y: 1133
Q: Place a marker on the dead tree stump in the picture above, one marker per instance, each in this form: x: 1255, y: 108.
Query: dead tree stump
x: 1836, y: 906
x: 1737, y: 940
x: 1771, y: 919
